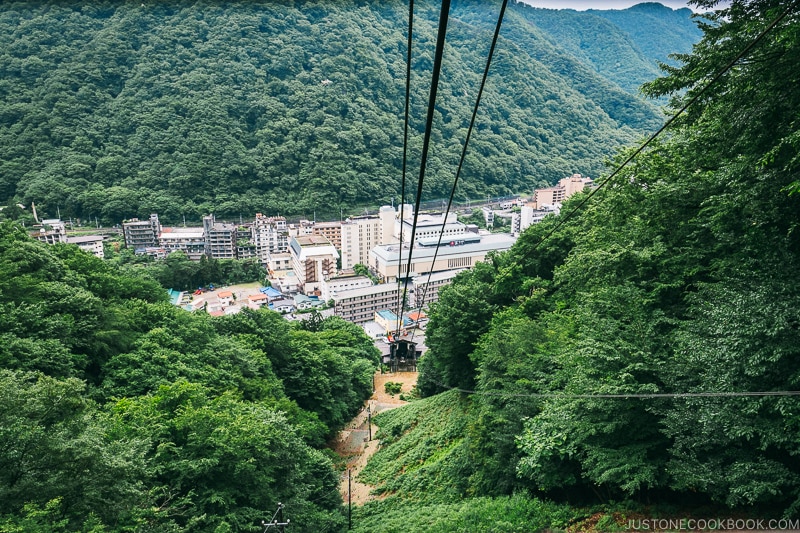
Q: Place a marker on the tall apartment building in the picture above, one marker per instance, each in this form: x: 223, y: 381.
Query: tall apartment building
x: 220, y: 238
x: 140, y: 234
x: 313, y: 260
x: 270, y: 235
x: 362, y: 234
x: 359, y: 305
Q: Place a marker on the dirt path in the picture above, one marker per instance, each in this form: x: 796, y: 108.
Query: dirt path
x: 353, y: 443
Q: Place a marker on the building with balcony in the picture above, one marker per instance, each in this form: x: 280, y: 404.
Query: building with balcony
x: 426, y: 287
x: 565, y: 188
x: 220, y: 238
x: 141, y: 234
x: 345, y: 280
x: 359, y: 305
x: 190, y: 241
x: 313, y: 260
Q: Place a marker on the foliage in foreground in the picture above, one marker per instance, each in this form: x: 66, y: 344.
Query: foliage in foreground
x: 121, y: 412
x: 677, y: 278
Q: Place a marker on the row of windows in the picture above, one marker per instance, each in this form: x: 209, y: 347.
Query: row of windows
x: 457, y: 262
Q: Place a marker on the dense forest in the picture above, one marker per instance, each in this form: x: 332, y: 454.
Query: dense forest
x: 122, y: 412
x: 112, y: 110
x: 672, y: 290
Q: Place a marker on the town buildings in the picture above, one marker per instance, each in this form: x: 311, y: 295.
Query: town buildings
x: 314, y: 260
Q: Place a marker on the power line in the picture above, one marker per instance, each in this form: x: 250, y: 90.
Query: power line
x: 563, y: 219
x: 464, y: 151
x: 437, y: 67
x: 405, y: 154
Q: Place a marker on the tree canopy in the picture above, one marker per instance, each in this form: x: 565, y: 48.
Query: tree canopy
x: 675, y: 279
x: 121, y: 109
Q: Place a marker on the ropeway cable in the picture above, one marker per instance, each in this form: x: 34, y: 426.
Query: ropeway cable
x: 437, y: 67
x: 463, y: 152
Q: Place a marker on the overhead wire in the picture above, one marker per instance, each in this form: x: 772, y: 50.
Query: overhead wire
x: 405, y: 152
x: 437, y: 67
x: 564, y: 218
x: 624, y: 395
x: 463, y: 153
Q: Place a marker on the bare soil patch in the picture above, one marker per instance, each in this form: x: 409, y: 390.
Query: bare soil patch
x: 353, y: 442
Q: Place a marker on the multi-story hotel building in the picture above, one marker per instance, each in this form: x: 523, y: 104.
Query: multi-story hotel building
x: 345, y: 280
x: 457, y: 251
x: 313, y: 260
x: 557, y: 194
x: 191, y: 241
x: 270, y: 235
x: 220, y: 238
x: 331, y: 231
x: 140, y: 234
x: 426, y: 287
x: 359, y: 305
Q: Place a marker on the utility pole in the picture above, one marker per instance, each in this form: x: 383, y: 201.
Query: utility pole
x: 369, y: 421
x: 276, y: 522
x: 349, y: 501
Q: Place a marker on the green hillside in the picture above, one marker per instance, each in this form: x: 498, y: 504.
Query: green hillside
x: 119, y: 109
x: 644, y: 344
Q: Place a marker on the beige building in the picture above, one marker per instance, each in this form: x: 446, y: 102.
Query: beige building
x: 558, y: 193
x: 359, y: 305
x: 359, y: 235
x: 459, y: 251
x: 313, y: 260
x: 92, y: 244
x: 331, y: 231
x: 426, y: 287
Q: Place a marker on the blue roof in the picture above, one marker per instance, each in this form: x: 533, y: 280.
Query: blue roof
x: 270, y: 291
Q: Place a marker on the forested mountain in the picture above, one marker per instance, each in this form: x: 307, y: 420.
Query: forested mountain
x: 120, y: 109
x: 648, y: 346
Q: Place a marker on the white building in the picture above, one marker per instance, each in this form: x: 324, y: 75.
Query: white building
x: 89, y: 243
x: 529, y: 216
x: 344, y: 281
x: 359, y: 235
x: 191, y: 241
x: 458, y: 251
x: 270, y: 235
x: 429, y: 226
x: 313, y: 260
x: 426, y: 287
